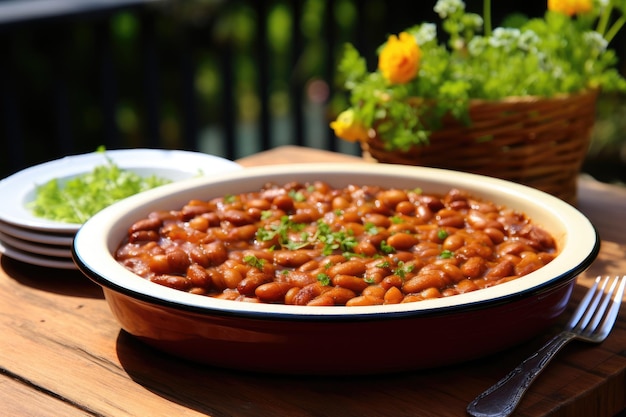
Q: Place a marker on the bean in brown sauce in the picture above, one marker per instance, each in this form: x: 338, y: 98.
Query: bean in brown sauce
x: 312, y: 244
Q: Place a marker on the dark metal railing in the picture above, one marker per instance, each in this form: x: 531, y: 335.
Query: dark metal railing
x: 72, y: 80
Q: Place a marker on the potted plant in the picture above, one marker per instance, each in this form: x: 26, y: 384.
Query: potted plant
x: 515, y: 102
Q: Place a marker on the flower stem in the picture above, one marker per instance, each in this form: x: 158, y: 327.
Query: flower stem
x: 603, y: 21
x: 615, y: 28
x: 487, y: 16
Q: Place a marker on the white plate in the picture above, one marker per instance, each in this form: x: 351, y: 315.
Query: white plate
x: 19, y: 189
x: 36, y: 236
x: 40, y: 260
x: 37, y: 248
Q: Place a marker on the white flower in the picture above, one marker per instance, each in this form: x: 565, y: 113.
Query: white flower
x: 505, y: 38
x: 477, y: 46
x: 426, y: 33
x: 445, y: 8
x: 528, y: 40
x: 595, y: 41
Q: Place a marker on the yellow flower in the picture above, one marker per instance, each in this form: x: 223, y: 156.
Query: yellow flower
x: 570, y: 7
x: 348, y: 128
x: 399, y: 59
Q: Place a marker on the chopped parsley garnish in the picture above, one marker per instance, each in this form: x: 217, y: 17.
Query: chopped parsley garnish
x: 442, y: 234
x: 386, y: 248
x: 446, y: 254
x: 323, y: 279
x: 296, y: 195
x: 371, y: 228
x: 254, y: 262
x: 403, y: 269
x: 79, y: 198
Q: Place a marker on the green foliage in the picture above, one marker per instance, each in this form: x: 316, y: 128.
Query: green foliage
x: 548, y: 56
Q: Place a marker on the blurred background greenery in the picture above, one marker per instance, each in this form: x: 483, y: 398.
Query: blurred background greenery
x: 252, y: 62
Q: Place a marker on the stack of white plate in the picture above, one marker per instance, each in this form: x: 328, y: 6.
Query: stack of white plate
x: 42, y: 242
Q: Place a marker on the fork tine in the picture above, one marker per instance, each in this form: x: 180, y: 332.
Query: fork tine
x: 600, y: 312
x: 593, y: 307
x: 584, y: 303
x: 611, y: 316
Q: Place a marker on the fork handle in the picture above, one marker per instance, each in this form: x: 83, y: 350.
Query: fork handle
x: 501, y: 399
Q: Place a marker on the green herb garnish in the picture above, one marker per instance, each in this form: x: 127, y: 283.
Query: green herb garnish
x: 79, y: 198
x: 254, y: 262
x: 323, y: 278
x: 446, y: 254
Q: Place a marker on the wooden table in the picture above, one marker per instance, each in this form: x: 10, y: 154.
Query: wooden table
x: 63, y: 354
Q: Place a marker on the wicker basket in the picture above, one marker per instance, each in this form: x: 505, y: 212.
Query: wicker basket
x: 540, y: 142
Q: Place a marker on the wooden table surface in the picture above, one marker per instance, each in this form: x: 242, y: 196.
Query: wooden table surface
x: 63, y: 354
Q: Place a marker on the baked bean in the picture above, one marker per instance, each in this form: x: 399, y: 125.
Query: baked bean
x: 502, y: 269
x: 365, y: 248
x: 151, y: 223
x: 431, y: 292
x: 294, y: 258
x: 298, y: 278
x: 514, y: 247
x: 425, y: 279
x: 364, y: 300
x: 452, y: 271
x: 259, y: 203
x: 453, y: 242
x: 496, y: 235
x: 474, y: 249
x: 392, y: 197
x: 312, y: 244
x: 249, y: 284
x: 412, y: 298
x: 450, y: 218
x: 198, y: 276
x: 242, y: 233
x: 352, y: 267
x: 290, y: 295
x: 402, y: 241
x: 283, y: 202
x: 339, y: 295
x: 177, y: 259
x: 272, y: 292
x: 340, y: 203
x: 426, y: 250
x: 307, y: 293
x: 474, y: 267
x: 466, y: 285
x: 231, y: 278
x: 350, y: 282
x: 393, y: 296
x: 529, y: 262
x: 199, y: 223
x: 322, y: 300
x: 405, y: 207
x: 424, y: 213
x: 374, y: 291
x: 215, y: 252
x: 144, y: 236
x: 477, y: 220
x: 392, y: 281
x: 177, y: 282
x: 237, y: 217
x: 194, y: 209
x: 539, y: 238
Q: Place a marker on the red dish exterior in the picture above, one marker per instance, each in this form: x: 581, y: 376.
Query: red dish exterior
x: 332, y: 346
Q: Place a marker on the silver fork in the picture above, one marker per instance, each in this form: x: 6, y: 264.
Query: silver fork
x: 591, y: 322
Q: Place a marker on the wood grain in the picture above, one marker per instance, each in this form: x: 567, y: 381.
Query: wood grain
x: 62, y: 353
